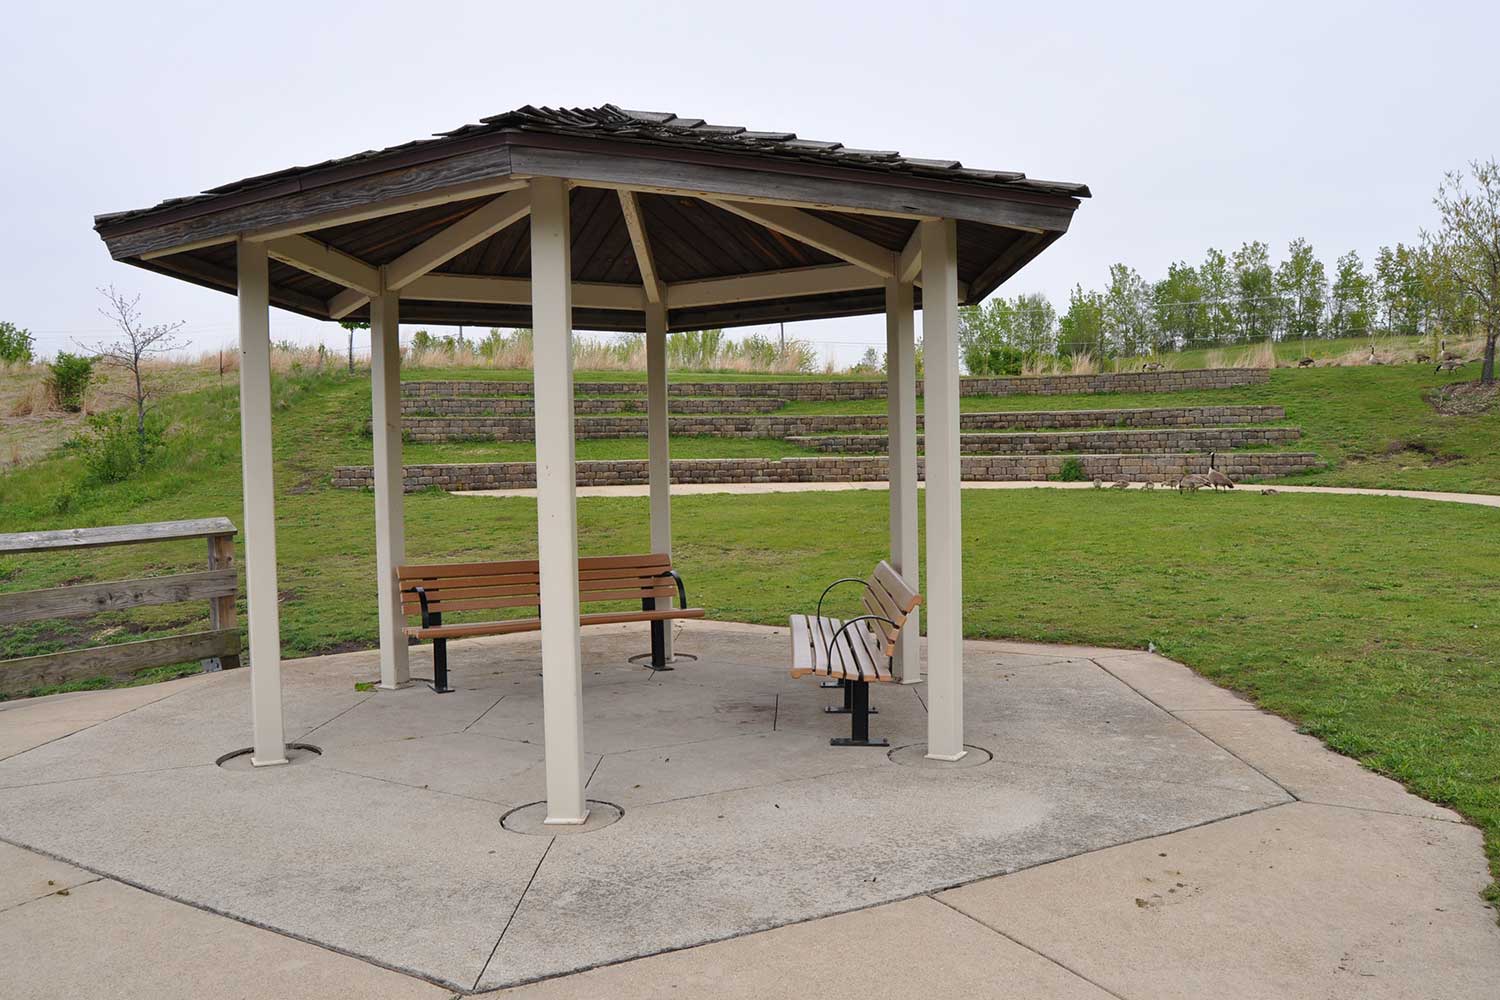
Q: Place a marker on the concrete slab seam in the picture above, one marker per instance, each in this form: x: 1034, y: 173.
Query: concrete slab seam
x: 46, y: 895
x: 91, y: 725
x: 1022, y: 944
x: 1185, y: 722
x: 484, y: 713
x: 336, y: 716
x: 515, y: 910
x: 237, y: 918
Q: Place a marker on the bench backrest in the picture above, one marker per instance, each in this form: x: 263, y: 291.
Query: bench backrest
x: 490, y: 586
x: 887, y: 595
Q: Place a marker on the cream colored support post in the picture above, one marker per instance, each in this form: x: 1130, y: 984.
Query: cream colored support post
x: 945, y: 620
x: 901, y: 432
x: 658, y: 439
x: 390, y: 511
x: 260, y: 506
x: 557, y: 501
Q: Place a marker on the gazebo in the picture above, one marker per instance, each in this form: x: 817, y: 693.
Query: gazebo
x: 602, y: 218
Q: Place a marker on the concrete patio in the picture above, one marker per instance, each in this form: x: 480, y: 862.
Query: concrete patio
x: 1127, y: 829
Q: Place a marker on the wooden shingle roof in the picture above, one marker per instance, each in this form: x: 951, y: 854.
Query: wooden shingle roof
x: 376, y: 205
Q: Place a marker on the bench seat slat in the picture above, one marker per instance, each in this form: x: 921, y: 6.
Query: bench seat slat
x: 811, y: 655
x: 461, y: 630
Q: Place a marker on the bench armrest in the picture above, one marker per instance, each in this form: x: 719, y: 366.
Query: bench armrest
x: 847, y: 579
x: 681, y: 590
x: 421, y: 593
x: 862, y: 618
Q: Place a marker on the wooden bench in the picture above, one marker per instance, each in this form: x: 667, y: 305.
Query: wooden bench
x: 856, y: 652
x: 433, y: 590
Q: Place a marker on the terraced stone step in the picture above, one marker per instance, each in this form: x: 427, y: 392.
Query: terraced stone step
x: 782, y: 425
x: 1241, y: 466
x: 416, y: 408
x: 811, y: 390
x: 1125, y: 442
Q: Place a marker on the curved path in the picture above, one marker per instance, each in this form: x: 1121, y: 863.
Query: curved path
x: 689, y: 489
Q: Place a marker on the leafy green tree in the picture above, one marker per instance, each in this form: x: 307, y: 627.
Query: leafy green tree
x: 1466, y: 247
x: 15, y: 344
x: 350, y: 325
x: 1399, y: 291
x: 1034, y: 326
x: 1351, y: 303
x: 984, y: 330
x: 1218, y: 291
x: 1181, y: 313
x: 1302, y: 287
x: 1256, y: 309
x: 1128, y: 316
x: 1082, y: 326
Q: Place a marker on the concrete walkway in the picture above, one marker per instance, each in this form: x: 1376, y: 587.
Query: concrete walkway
x: 1137, y: 833
x: 691, y: 489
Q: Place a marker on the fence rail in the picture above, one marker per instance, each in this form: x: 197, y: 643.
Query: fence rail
x: 218, y: 647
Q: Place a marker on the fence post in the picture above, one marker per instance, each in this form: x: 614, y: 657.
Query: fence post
x: 221, y: 610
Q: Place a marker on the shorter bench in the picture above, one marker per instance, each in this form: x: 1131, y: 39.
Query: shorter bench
x: 858, y: 651
x: 433, y: 590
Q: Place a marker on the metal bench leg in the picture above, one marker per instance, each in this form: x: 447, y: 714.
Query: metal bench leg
x: 440, y: 660
x: 658, y: 638
x: 859, y: 718
x: 848, y: 705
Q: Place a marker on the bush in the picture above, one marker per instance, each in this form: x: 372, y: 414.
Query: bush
x: 15, y: 344
x: 70, y: 378
x: 113, y: 450
x: 996, y: 359
x: 1072, y: 470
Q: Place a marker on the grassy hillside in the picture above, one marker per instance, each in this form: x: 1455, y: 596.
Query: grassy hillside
x: 1369, y: 621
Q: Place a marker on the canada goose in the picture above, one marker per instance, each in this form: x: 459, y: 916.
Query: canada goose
x: 1148, y: 485
x: 1120, y: 484
x: 1372, y: 359
x: 1449, y: 365
x: 1098, y: 483
x: 1152, y: 366
x: 1190, y: 484
x: 1215, y: 478
x: 1423, y: 359
x: 1305, y: 363
x: 1269, y: 491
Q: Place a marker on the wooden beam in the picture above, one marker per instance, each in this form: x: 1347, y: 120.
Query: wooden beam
x: 517, y: 291
x: 326, y: 262
x: 481, y: 224
x: 346, y: 302
x: 120, y: 660
x: 92, y: 598
x: 815, y: 232
x: 118, y: 534
x: 909, y: 264
x: 769, y: 285
x: 630, y: 207
x: 995, y: 207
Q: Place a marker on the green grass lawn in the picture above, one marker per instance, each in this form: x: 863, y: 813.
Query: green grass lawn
x: 1369, y: 621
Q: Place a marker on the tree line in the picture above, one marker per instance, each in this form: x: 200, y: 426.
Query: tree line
x: 1241, y: 297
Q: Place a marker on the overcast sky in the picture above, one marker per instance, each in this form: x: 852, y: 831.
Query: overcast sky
x: 1196, y: 125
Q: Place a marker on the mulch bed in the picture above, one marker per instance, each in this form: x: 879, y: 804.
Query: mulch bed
x: 1464, y: 398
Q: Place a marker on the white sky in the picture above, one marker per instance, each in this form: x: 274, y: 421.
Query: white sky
x: 1195, y: 124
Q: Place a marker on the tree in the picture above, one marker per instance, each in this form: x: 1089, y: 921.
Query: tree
x: 1034, y: 326
x: 1181, y: 313
x: 351, y: 326
x: 1399, y: 291
x: 1256, y: 310
x: 1218, y: 292
x: 139, y: 344
x: 15, y: 344
x: 1127, y: 312
x: 1466, y: 246
x: 1351, y: 303
x: 1081, y: 328
x: 1302, y: 287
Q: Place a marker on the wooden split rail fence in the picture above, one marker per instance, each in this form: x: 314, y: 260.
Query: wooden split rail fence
x: 218, y: 648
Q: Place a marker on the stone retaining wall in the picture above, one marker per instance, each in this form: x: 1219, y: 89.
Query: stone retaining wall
x: 826, y: 391
x: 424, y: 407
x: 976, y: 468
x: 1124, y: 442
x: 431, y: 430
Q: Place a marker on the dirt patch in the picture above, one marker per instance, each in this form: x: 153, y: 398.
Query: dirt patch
x: 1462, y: 399
x: 1422, y: 448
